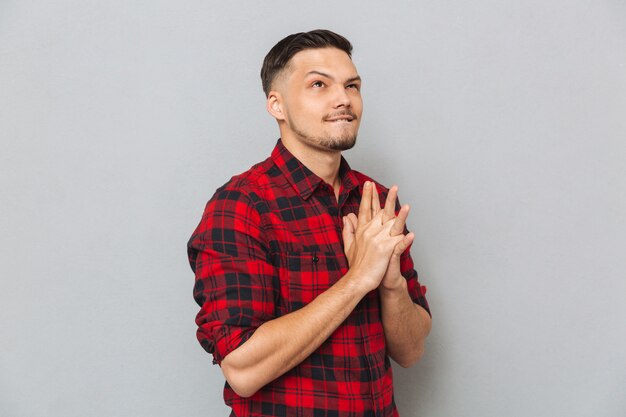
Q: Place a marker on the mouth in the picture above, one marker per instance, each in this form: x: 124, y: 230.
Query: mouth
x: 341, y: 118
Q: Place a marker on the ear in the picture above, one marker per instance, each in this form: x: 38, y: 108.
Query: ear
x: 274, y: 105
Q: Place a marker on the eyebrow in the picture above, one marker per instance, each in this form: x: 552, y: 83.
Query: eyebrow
x: 323, y: 74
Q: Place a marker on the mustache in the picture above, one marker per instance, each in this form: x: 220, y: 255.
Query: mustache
x: 341, y: 113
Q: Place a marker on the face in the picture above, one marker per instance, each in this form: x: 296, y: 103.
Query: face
x: 317, y: 100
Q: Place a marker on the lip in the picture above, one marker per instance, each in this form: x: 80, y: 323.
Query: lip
x: 340, y: 119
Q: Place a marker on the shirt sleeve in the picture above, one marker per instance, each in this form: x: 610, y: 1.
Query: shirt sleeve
x: 416, y: 290
x: 407, y: 268
x: 234, y: 276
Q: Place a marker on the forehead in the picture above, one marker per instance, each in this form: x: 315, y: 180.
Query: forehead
x: 332, y: 61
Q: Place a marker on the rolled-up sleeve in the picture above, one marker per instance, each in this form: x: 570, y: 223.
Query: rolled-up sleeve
x: 415, y: 289
x: 234, y: 278
x: 407, y: 269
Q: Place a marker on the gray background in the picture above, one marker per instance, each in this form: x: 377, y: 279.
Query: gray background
x: 503, y: 122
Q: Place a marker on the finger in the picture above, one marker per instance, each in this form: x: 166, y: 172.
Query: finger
x: 400, y: 221
x: 395, y: 241
x: 386, y: 232
x: 404, y: 244
x: 365, y: 208
x: 390, y: 203
x: 375, y: 200
x: 347, y: 233
x: 379, y: 220
x: 351, y: 217
x: 388, y: 225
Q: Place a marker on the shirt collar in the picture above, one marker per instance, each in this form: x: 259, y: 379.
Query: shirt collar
x: 303, y: 180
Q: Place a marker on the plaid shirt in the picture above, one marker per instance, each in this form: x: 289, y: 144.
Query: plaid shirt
x: 268, y: 243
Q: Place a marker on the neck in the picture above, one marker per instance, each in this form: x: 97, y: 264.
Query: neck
x: 324, y: 164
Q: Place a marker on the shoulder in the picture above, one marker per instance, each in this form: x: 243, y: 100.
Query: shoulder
x: 236, y: 206
x: 362, y: 178
x: 247, y: 186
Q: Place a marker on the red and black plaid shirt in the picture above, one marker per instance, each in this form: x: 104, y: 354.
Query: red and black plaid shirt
x: 270, y: 242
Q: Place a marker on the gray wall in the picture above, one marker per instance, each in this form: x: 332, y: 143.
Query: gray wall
x: 503, y: 122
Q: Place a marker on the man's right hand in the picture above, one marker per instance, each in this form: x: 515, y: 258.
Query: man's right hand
x: 370, y: 245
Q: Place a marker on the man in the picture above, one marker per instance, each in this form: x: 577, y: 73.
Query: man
x: 305, y: 283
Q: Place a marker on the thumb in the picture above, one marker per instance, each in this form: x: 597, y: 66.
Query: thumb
x: 347, y: 233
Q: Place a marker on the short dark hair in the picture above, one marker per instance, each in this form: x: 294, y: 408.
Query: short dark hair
x: 278, y: 57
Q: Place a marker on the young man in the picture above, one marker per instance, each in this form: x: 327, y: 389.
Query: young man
x: 305, y: 283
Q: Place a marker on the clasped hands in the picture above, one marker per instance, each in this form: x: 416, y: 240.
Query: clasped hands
x: 374, y: 241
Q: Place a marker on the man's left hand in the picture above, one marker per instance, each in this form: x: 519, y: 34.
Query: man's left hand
x: 393, y: 278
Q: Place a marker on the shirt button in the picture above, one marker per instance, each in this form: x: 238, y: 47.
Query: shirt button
x: 316, y: 259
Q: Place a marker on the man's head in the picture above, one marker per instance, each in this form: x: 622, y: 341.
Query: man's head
x: 277, y: 59
x: 313, y: 90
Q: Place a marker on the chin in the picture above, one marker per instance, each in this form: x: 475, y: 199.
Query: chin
x: 339, y: 144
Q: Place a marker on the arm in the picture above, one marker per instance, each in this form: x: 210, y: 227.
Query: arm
x: 405, y: 323
x: 279, y: 344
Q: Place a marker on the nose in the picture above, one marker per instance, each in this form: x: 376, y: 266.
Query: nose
x: 341, y: 97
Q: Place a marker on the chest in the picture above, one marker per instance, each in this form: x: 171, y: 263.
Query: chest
x: 294, y: 224
x: 305, y: 243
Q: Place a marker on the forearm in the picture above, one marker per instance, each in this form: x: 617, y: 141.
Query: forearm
x: 405, y: 323
x: 279, y: 345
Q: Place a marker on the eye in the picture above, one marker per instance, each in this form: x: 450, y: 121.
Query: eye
x: 317, y: 84
x: 354, y: 86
